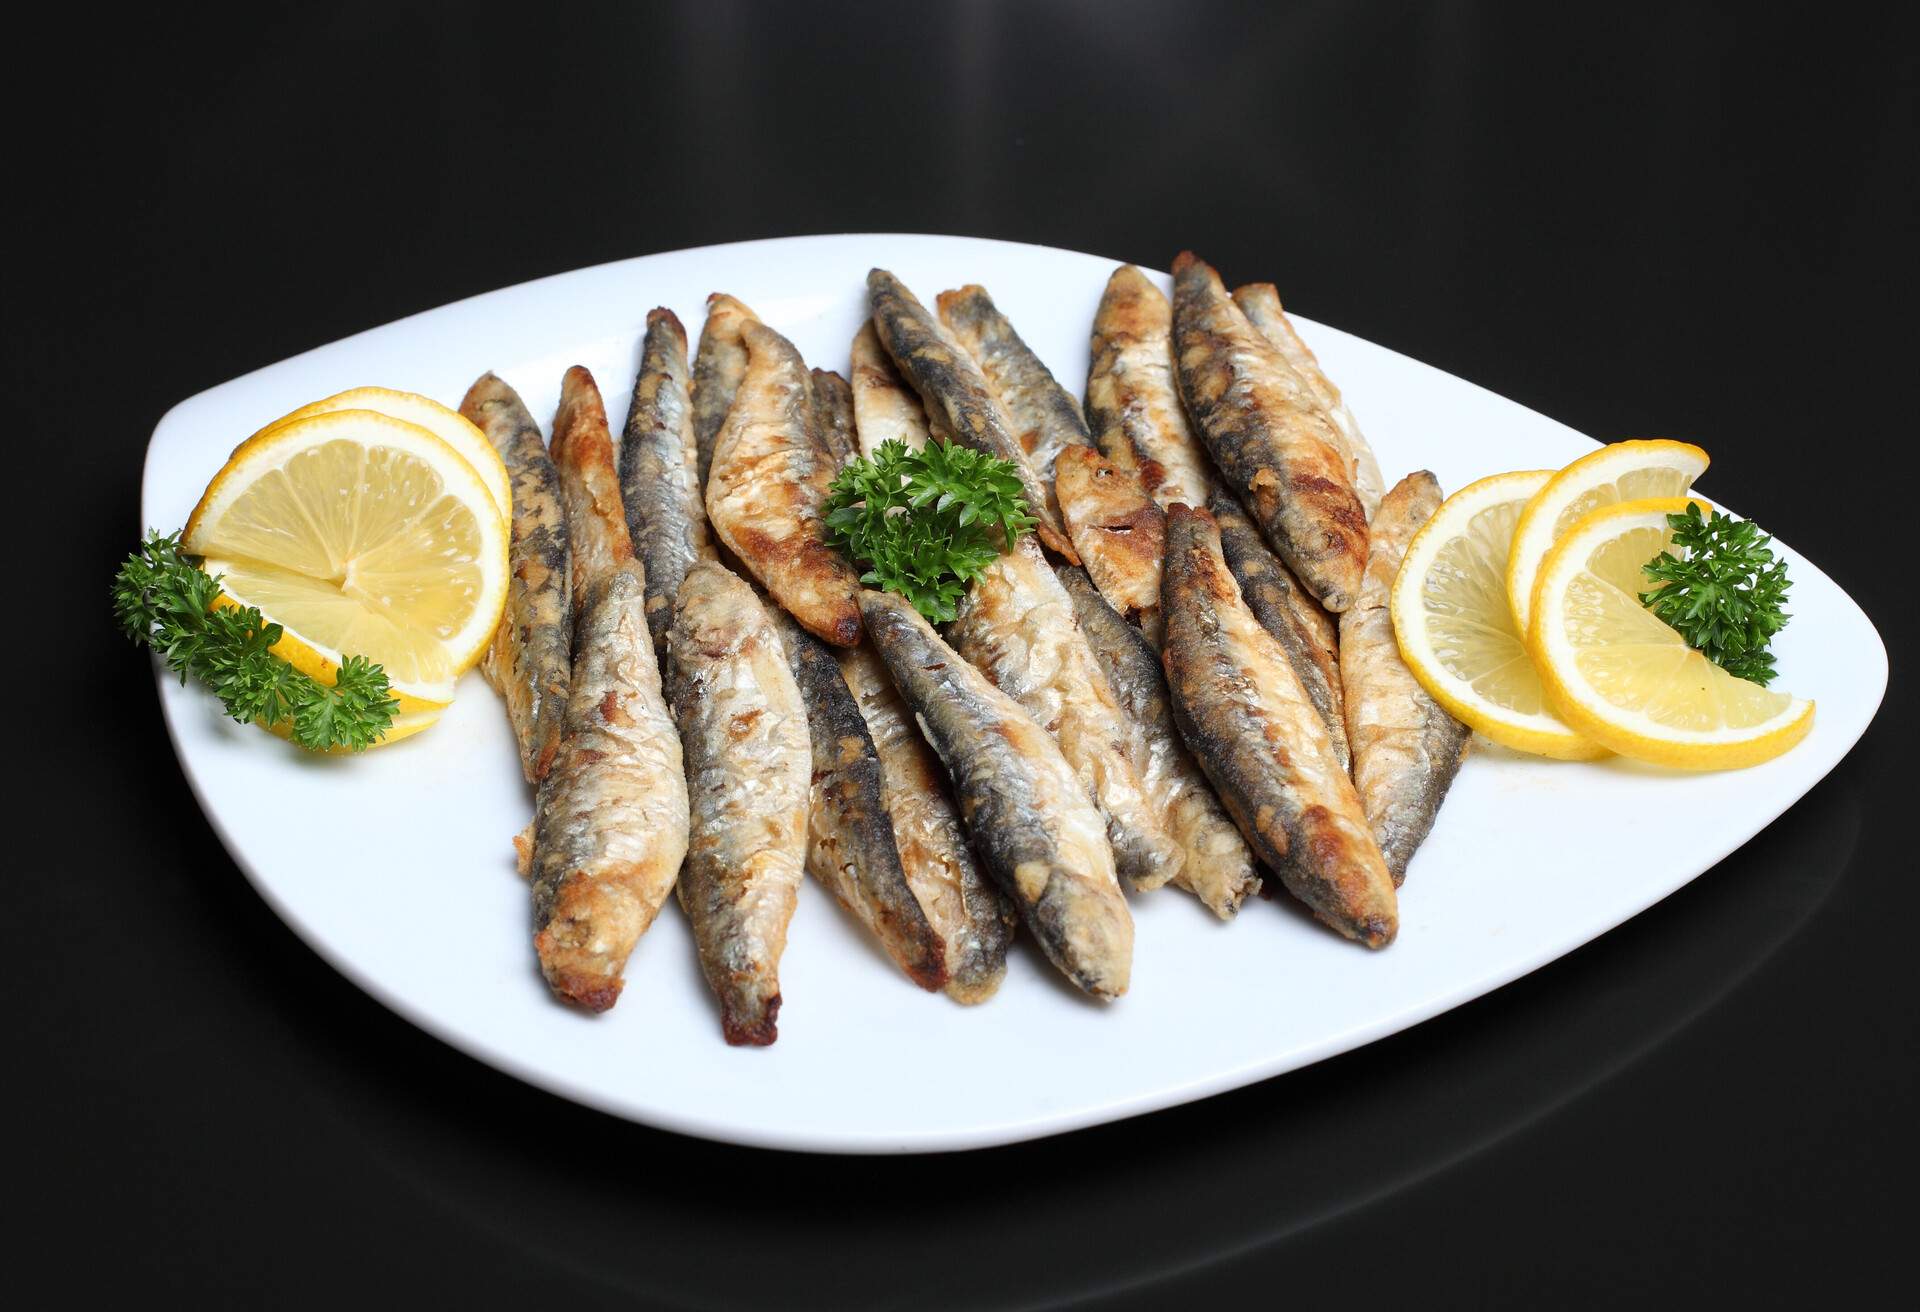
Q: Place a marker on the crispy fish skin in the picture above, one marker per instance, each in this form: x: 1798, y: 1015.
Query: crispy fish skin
x: 531, y: 659
x: 1406, y: 748
x: 718, y: 367
x: 767, y: 491
x: 972, y: 918
x: 749, y: 767
x: 959, y: 404
x: 1268, y: 437
x: 1260, y: 302
x: 1274, y: 595
x: 1046, y: 416
x: 1217, y: 867
x: 850, y: 844
x: 885, y: 409
x: 1245, y: 716
x: 659, y: 478
x: 1119, y: 532
x: 1016, y: 626
x: 1133, y: 396
x: 1024, y: 808
x: 833, y: 412
x: 611, y: 825
x: 589, y: 487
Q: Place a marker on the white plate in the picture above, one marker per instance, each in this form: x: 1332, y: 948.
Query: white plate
x: 396, y: 867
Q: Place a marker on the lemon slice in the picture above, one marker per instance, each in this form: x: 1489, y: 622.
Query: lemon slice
x: 363, y: 534
x: 1623, y: 676
x: 450, y: 426
x: 1624, y: 471
x: 1456, y: 632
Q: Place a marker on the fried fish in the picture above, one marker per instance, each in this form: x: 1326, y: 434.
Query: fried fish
x: 531, y: 658
x: 1268, y: 437
x: 885, y: 408
x: 749, y: 769
x: 767, y: 491
x: 1243, y: 713
x: 1024, y: 808
x: 833, y: 413
x: 718, y: 368
x: 1406, y: 748
x: 1133, y: 397
x: 1118, y: 531
x: 659, y: 474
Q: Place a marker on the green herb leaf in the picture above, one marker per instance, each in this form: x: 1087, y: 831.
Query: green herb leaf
x: 161, y: 597
x: 1726, y: 596
x: 925, y: 524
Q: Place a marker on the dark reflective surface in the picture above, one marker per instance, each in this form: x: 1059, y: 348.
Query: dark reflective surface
x: 1677, y: 225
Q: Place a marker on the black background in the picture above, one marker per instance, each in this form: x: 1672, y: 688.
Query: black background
x: 1665, y: 222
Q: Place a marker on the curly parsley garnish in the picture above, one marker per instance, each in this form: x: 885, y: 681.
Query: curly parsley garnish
x: 161, y: 597
x: 926, y: 523
x: 1726, y: 595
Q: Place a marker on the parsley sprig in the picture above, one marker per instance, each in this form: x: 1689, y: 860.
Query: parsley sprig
x: 161, y: 597
x: 926, y: 523
x: 1726, y: 595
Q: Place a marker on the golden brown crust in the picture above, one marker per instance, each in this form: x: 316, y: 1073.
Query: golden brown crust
x: 589, y: 485
x: 1118, y: 530
x: 1133, y: 400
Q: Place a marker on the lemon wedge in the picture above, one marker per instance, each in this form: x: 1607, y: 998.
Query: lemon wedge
x: 1624, y: 471
x: 1624, y: 677
x: 363, y: 534
x: 1456, y: 631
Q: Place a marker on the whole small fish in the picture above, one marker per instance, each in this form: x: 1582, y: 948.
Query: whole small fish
x: 749, y: 764
x: 1243, y: 713
x: 1406, y: 748
x: 1260, y: 302
x: 833, y: 412
x: 972, y: 918
x: 531, y: 659
x: 718, y: 367
x: 1024, y: 808
x: 589, y: 487
x: 1118, y: 531
x: 1217, y: 867
x: 767, y: 491
x: 1268, y: 437
x: 1274, y: 595
x: 1133, y: 397
x: 1046, y: 416
x: 1016, y: 626
x: 610, y: 823
x: 885, y: 408
x: 958, y: 401
x: 659, y: 475
x: 850, y: 844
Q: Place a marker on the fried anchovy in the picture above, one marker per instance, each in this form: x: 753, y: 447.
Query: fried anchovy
x: 959, y: 404
x: 749, y: 764
x: 718, y: 367
x: 1406, y: 748
x: 610, y: 825
x: 1305, y: 631
x: 1133, y: 398
x: 1268, y: 436
x: 972, y: 917
x: 1217, y: 868
x: 1243, y: 713
x: 1046, y: 416
x: 767, y: 491
x: 1024, y: 808
x: 1016, y: 626
x: 850, y: 843
x: 589, y: 487
x: 531, y: 657
x: 885, y: 409
x: 1119, y: 532
x: 1260, y: 302
x: 833, y: 413
x: 659, y: 478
